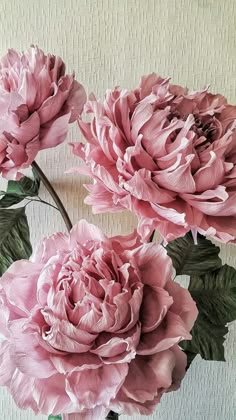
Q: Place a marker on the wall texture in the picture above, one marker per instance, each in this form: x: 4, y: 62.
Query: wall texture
x: 110, y: 42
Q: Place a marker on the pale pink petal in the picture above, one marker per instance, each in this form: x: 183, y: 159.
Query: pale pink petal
x: 48, y: 247
x: 53, y: 104
x: 7, y: 368
x: 141, y: 115
x: 164, y: 337
x: 54, y: 132
x: 84, y: 231
x: 148, y: 257
x: 75, y: 362
x: 97, y: 386
x: 98, y: 413
x: 146, y: 378
x: 142, y: 187
x: 147, y: 83
x: 22, y: 389
x: 179, y: 369
x: 156, y: 302
x: 21, y: 278
x: 210, y: 175
x: 130, y: 241
x: 28, y: 129
x: 75, y: 101
x: 50, y: 395
x: 178, y: 180
x: 27, y: 87
x: 183, y: 304
x: 38, y: 101
x: 109, y: 346
x: 224, y: 207
x: 65, y: 337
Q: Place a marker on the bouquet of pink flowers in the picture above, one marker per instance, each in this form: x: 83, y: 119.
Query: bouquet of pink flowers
x: 94, y: 326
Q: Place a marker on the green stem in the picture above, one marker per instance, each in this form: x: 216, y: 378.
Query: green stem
x: 41, y: 201
x: 54, y: 195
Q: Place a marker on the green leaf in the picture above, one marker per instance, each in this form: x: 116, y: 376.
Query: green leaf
x: 215, y: 294
x: 17, y: 191
x: 14, y: 237
x: 188, y: 258
x: 207, y: 340
x: 190, y: 356
x: 25, y: 186
x: 10, y: 199
x: 55, y: 417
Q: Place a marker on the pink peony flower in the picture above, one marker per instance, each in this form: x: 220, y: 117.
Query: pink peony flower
x: 92, y: 324
x: 37, y: 102
x: 165, y: 154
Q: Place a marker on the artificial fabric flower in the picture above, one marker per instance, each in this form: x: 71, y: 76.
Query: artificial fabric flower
x: 165, y: 154
x: 92, y: 324
x: 38, y: 100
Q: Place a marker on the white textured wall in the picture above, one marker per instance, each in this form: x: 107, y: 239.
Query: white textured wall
x: 109, y: 42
